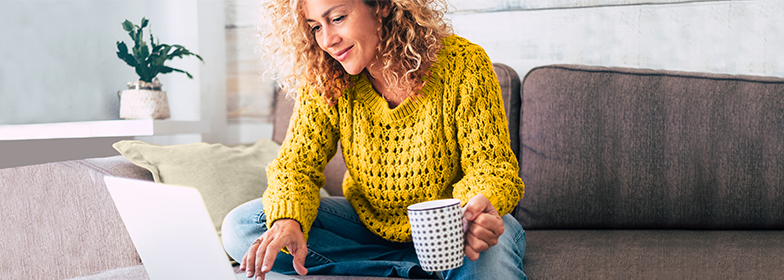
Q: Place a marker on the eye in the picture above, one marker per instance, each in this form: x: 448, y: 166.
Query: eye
x: 339, y: 19
x: 315, y: 28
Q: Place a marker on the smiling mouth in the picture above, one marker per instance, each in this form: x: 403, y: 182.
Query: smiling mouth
x: 341, y: 55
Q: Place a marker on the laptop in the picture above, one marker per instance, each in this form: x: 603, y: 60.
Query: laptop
x: 172, y: 231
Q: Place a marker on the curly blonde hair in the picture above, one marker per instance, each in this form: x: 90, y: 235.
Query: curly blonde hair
x: 410, y: 38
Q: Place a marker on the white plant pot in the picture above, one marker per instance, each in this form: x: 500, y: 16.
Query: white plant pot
x: 143, y: 104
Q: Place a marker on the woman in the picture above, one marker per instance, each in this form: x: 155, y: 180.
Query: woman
x: 419, y: 116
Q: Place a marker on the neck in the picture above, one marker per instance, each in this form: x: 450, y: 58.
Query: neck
x: 393, y: 96
x: 373, y: 73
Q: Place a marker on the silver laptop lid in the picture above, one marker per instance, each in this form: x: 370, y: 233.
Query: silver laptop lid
x: 171, y: 230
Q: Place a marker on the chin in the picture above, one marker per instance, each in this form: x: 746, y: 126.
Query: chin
x: 352, y: 70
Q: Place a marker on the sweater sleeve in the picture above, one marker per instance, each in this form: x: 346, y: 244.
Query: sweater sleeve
x: 487, y: 159
x: 296, y: 175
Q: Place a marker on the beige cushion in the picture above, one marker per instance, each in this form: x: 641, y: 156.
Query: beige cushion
x: 226, y: 176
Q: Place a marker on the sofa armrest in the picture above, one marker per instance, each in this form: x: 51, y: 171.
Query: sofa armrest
x: 117, y: 166
x: 59, y: 220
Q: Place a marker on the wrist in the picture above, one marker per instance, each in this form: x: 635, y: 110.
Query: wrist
x: 287, y: 222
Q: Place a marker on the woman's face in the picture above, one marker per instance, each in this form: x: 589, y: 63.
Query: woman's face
x: 346, y: 29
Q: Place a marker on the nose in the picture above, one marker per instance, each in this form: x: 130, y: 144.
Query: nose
x: 330, y: 37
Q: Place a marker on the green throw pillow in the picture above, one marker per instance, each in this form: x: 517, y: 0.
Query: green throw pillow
x: 226, y: 176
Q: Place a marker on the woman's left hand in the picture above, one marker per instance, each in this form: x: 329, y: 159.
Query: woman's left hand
x: 484, y: 226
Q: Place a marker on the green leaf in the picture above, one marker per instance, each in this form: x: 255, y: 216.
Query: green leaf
x: 122, y: 47
x: 145, y: 52
x: 122, y: 53
x: 128, y: 59
x: 186, y: 73
x: 137, y: 52
x: 162, y: 57
x: 176, y: 53
x: 156, y: 50
x: 154, y: 71
x: 152, y: 42
x: 167, y: 69
x: 182, y: 51
x: 143, y: 75
x: 139, y: 37
x: 127, y: 25
x: 148, y: 62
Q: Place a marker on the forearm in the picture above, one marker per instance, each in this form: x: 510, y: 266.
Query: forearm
x: 489, y: 165
x: 297, y: 174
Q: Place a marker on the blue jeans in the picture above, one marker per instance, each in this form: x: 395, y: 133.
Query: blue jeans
x: 339, y: 244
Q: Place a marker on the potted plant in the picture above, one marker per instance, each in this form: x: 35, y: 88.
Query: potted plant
x: 144, y: 98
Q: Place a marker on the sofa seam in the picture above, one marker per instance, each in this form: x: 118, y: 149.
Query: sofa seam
x: 675, y: 74
x: 103, y: 171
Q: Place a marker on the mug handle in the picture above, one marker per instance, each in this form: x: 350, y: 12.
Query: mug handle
x: 465, y: 221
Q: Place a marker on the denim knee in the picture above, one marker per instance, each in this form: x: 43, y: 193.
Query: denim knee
x: 502, y: 261
x: 241, y: 227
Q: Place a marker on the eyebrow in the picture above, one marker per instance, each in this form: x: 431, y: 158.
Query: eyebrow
x: 325, y: 14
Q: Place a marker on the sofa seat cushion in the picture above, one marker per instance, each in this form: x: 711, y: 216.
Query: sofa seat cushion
x: 660, y: 254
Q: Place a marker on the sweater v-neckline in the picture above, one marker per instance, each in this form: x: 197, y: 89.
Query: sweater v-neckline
x: 376, y: 103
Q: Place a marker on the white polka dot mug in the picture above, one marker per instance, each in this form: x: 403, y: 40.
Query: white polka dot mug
x: 437, y: 230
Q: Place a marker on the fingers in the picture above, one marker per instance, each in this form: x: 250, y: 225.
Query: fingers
x: 482, y: 233
x: 471, y: 253
x: 477, y: 205
x: 472, y: 209
x: 490, y: 222
x: 260, y: 260
x: 267, y: 258
x: 244, y: 259
x: 261, y: 255
x: 477, y: 240
x: 249, y: 260
x: 299, y: 254
x: 484, y: 227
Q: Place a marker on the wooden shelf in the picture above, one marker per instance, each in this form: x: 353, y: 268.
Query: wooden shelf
x: 95, y: 129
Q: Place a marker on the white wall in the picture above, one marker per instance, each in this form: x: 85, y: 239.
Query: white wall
x: 59, y: 65
x: 200, y: 25
x: 59, y: 61
x: 735, y: 37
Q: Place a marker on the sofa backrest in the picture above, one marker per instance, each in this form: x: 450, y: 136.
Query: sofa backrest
x: 336, y: 168
x: 633, y: 148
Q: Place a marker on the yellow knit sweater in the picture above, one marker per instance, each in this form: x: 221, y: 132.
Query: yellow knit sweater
x: 451, y: 143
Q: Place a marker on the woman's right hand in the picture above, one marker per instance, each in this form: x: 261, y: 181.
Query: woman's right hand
x: 261, y: 254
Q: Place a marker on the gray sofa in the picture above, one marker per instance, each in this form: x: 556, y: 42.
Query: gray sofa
x: 629, y: 173
x: 652, y: 174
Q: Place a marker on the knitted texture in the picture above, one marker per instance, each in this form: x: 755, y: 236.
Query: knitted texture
x: 453, y: 142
